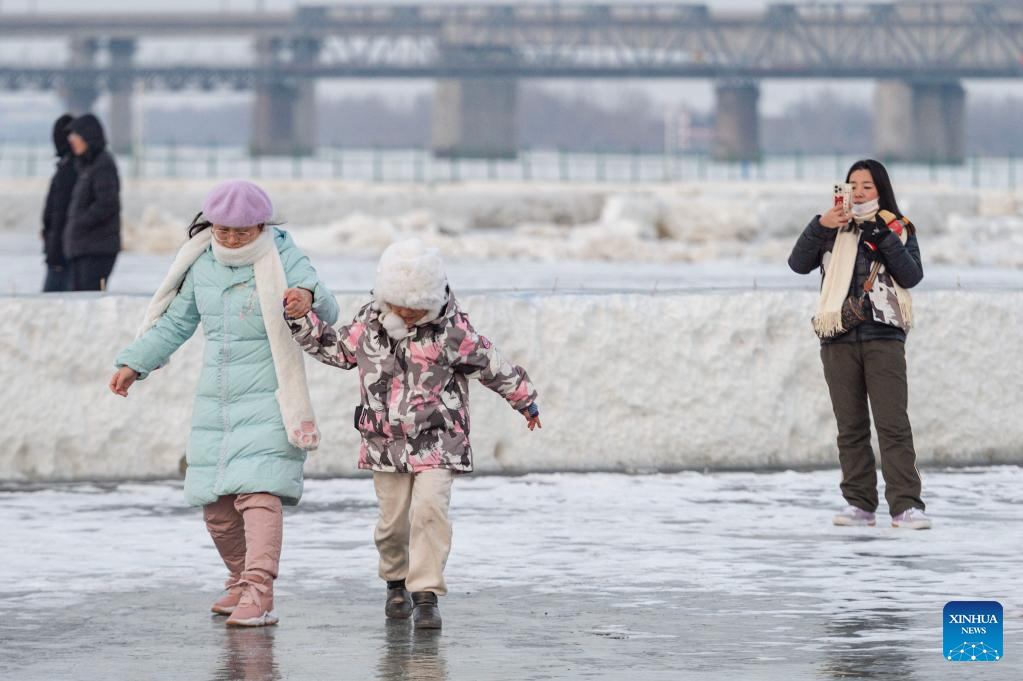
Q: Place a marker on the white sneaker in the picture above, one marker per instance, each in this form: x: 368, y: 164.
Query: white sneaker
x: 265, y: 619
x: 912, y: 519
x: 853, y: 516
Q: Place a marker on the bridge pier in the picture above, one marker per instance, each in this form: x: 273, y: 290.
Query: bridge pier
x: 119, y: 122
x: 476, y: 117
x: 737, y: 122
x: 920, y: 121
x: 80, y: 92
x: 284, y: 115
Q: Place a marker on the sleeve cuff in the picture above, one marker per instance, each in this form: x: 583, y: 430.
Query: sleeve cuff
x: 142, y: 373
x: 302, y: 324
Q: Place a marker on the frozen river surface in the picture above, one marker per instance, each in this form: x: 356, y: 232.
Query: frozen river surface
x: 568, y: 576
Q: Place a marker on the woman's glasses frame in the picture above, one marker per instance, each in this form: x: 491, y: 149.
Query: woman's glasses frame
x: 242, y: 236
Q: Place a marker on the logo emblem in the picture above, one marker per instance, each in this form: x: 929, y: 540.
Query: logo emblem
x: 972, y: 631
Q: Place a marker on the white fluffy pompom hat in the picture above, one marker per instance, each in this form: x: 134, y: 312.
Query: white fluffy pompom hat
x: 411, y: 275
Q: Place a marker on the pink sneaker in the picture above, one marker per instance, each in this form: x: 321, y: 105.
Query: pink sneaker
x: 853, y: 516
x: 256, y: 606
x: 226, y: 604
x: 913, y: 519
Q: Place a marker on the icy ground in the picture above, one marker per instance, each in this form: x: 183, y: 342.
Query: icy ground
x: 597, y: 576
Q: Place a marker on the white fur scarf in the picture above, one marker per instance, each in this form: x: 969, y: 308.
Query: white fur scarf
x: 394, y: 325
x: 289, y: 361
x: 838, y: 272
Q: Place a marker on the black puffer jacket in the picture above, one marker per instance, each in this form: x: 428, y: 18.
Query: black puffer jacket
x: 58, y: 198
x: 901, y: 261
x: 94, y: 216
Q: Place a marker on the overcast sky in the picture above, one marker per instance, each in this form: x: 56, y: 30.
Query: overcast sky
x: 697, y: 94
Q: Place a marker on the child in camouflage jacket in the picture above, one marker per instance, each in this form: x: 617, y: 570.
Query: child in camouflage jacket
x: 415, y: 351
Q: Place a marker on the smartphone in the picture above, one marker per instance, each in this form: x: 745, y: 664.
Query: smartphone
x: 843, y: 195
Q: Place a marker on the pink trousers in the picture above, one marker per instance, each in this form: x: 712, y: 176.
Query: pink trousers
x: 247, y: 530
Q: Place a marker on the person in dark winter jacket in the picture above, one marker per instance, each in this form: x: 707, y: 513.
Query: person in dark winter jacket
x: 865, y: 362
x: 92, y: 237
x: 55, y: 209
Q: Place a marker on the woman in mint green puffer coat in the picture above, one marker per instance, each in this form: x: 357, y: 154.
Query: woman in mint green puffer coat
x: 251, y: 421
x: 238, y: 443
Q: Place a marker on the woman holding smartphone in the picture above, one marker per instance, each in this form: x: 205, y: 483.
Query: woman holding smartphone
x: 869, y: 258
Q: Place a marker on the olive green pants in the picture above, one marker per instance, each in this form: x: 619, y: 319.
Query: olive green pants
x: 873, y: 372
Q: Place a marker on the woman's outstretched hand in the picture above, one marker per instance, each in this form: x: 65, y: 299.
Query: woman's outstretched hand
x: 835, y: 218
x: 122, y: 380
x: 297, y: 302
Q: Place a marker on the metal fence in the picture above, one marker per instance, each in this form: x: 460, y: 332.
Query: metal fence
x: 544, y: 166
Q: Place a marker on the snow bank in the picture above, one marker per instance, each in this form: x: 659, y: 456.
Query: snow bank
x: 627, y: 382
x: 555, y: 222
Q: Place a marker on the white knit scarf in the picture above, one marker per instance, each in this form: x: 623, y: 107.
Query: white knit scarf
x: 289, y: 361
x: 838, y: 272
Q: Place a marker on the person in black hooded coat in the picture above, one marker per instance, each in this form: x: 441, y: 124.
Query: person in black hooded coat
x: 55, y: 209
x: 92, y: 238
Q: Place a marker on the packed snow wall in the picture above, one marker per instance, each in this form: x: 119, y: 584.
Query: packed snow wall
x: 627, y: 382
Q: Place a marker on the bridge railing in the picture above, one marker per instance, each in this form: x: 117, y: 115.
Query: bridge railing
x: 540, y: 166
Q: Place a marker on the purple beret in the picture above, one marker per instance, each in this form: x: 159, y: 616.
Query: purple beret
x: 237, y: 204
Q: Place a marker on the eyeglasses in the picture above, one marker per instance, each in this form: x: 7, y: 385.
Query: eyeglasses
x: 243, y: 236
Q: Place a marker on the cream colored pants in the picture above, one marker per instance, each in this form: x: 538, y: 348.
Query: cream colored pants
x: 413, y: 533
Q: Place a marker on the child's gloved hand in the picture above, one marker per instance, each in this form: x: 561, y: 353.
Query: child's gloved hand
x: 532, y: 414
x: 122, y: 380
x: 297, y: 302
